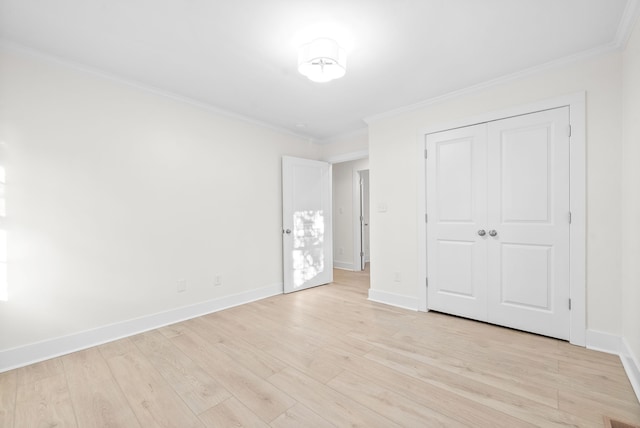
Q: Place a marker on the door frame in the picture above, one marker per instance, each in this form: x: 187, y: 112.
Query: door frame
x: 577, y: 199
x: 357, y: 212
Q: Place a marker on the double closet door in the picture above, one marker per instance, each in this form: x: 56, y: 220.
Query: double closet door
x: 498, y: 222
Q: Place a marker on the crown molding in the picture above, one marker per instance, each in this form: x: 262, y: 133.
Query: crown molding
x: 627, y: 23
x: 581, y: 56
x: 20, y: 49
x: 625, y: 28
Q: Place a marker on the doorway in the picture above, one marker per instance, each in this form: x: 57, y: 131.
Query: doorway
x: 351, y: 187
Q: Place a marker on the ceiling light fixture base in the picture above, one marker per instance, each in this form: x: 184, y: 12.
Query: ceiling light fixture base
x: 322, y: 60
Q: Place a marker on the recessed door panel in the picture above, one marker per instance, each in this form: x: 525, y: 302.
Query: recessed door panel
x: 526, y: 279
x: 454, y: 180
x: 525, y: 179
x: 455, y: 278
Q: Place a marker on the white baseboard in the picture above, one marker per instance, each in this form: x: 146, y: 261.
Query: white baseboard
x: 612, y: 344
x: 40, y: 351
x: 393, y: 299
x: 343, y: 265
x: 631, y: 366
x: 604, y: 342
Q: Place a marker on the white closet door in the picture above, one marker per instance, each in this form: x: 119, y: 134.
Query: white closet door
x: 528, y: 201
x: 456, y: 203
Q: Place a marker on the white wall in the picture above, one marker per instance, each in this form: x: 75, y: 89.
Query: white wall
x: 393, y: 152
x: 631, y: 196
x: 345, y: 200
x: 115, y: 193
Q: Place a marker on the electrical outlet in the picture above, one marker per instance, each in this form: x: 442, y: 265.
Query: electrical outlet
x: 217, y: 281
x: 182, y: 285
x: 340, y: 251
x: 397, y: 277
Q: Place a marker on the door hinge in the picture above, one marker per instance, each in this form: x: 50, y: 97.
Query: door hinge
x: 361, y: 254
x: 426, y: 217
x: 569, y: 131
x: 569, y: 217
x: 425, y: 153
x: 569, y: 304
x: 361, y: 219
x: 426, y: 281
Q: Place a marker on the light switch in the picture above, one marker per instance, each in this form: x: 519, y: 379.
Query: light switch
x: 382, y: 207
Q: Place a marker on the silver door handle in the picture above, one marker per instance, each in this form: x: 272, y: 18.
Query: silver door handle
x: 482, y: 232
x: 493, y: 232
x: 288, y: 231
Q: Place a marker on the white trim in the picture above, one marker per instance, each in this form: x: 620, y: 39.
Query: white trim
x: 422, y: 224
x: 40, y: 351
x: 355, y: 218
x: 578, y: 227
x: 357, y: 230
x: 52, y: 59
x: 627, y: 22
x: 597, y: 51
x: 612, y: 344
x: 393, y: 299
x: 577, y: 162
x: 347, y: 157
x: 344, y: 265
x: 603, y: 342
x: 631, y: 366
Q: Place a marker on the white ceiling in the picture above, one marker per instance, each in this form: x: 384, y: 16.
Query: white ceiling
x: 238, y: 55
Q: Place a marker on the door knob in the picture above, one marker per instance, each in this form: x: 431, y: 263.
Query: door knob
x: 493, y: 232
x: 288, y: 231
x: 481, y: 232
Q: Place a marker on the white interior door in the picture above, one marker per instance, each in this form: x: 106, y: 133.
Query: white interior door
x: 498, y: 226
x: 528, y: 194
x: 307, y: 240
x: 456, y: 203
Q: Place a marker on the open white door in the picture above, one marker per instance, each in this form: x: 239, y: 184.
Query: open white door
x: 307, y: 231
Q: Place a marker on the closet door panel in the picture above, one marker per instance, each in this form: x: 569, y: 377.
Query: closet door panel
x: 528, y: 208
x: 456, y: 203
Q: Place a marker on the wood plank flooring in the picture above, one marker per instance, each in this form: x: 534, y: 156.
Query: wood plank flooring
x: 324, y: 357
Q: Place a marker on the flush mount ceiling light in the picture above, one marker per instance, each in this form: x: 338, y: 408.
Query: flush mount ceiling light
x: 322, y: 60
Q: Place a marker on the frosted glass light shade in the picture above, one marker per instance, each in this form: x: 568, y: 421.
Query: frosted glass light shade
x: 322, y: 60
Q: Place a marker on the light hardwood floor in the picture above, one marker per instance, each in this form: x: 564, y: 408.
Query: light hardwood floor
x: 324, y: 357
